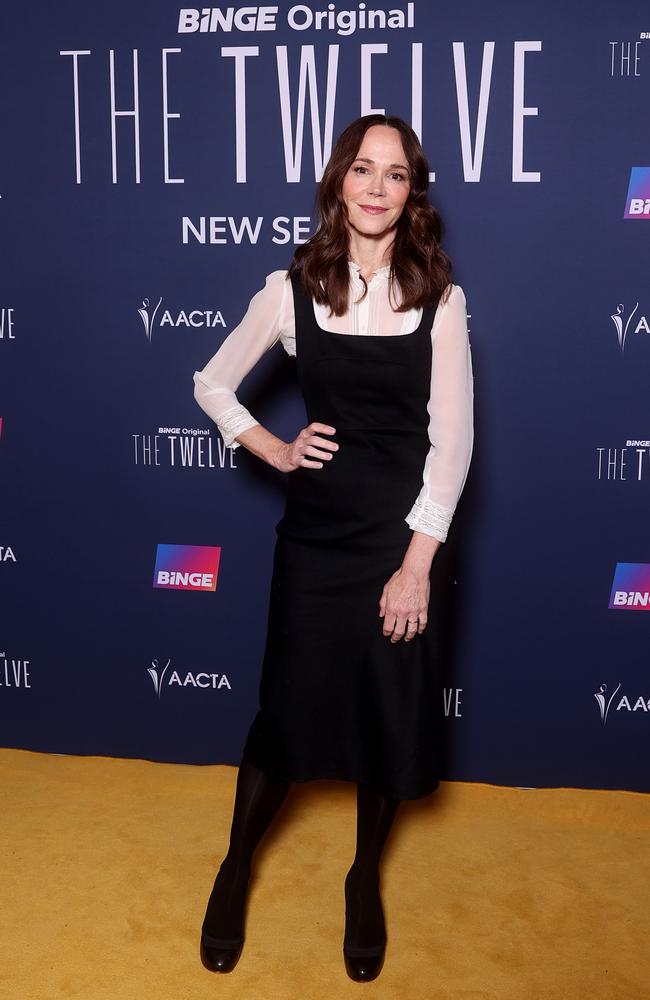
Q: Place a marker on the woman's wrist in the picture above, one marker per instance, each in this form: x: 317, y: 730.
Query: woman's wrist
x: 420, y: 553
x: 265, y: 445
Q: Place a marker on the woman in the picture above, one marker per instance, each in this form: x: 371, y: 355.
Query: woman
x: 351, y: 684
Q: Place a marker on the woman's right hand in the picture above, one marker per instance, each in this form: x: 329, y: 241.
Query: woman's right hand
x: 307, y: 448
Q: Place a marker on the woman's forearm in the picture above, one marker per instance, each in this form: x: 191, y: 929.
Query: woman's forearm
x: 420, y: 552
x: 263, y: 443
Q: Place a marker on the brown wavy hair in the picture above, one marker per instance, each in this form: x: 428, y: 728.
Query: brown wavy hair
x: 419, y: 265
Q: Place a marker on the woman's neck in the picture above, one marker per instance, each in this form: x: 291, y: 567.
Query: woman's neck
x: 370, y: 255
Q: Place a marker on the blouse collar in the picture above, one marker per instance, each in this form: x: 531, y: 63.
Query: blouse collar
x: 381, y: 272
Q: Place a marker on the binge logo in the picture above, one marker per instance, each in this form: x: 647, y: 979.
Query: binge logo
x: 631, y: 587
x: 637, y: 205
x: 187, y: 567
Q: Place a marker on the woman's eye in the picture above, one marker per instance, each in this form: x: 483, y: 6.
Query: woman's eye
x: 364, y: 170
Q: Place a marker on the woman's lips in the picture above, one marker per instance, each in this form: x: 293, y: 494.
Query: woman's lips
x: 373, y: 209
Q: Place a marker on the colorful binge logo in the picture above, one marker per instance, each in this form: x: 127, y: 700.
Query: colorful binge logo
x: 187, y: 567
x: 637, y: 204
x: 631, y: 587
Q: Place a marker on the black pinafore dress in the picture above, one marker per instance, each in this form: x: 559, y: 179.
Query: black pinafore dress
x: 338, y: 699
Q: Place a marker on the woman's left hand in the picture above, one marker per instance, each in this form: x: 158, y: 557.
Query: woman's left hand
x: 404, y: 604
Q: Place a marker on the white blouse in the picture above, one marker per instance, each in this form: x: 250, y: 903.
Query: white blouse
x: 270, y: 317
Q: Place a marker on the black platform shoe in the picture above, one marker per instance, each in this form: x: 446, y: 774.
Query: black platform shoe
x: 219, y: 955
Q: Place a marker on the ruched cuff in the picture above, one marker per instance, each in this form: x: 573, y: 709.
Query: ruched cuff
x: 430, y: 518
x: 233, y: 421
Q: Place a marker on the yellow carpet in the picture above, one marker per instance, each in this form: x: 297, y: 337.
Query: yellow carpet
x: 489, y: 892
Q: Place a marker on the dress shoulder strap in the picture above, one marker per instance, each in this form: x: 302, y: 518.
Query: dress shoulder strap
x: 302, y: 303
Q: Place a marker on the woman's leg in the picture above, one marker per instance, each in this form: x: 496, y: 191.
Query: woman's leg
x: 258, y: 798
x: 364, y: 926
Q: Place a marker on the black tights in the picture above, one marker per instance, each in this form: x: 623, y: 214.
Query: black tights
x: 364, y: 926
x: 257, y: 800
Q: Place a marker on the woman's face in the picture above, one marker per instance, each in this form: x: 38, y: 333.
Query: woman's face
x: 376, y: 186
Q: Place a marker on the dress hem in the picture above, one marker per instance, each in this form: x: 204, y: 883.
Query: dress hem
x: 340, y: 777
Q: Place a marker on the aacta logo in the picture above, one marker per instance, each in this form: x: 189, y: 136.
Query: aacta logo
x: 622, y: 321
x: 623, y: 705
x: 195, y: 318
x: 631, y: 587
x: 174, y: 679
x: 187, y: 567
x: 637, y: 205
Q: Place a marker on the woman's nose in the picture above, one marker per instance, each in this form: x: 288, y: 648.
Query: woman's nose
x: 377, y: 186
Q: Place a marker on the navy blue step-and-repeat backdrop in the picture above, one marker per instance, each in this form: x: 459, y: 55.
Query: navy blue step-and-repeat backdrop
x: 157, y: 162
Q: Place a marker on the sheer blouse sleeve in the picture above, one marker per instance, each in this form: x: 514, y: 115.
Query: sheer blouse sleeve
x: 269, y: 318
x: 451, y: 427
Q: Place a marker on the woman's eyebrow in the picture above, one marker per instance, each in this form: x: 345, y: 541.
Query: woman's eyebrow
x: 365, y: 159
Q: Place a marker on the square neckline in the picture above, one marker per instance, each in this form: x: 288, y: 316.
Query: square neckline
x: 373, y: 336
